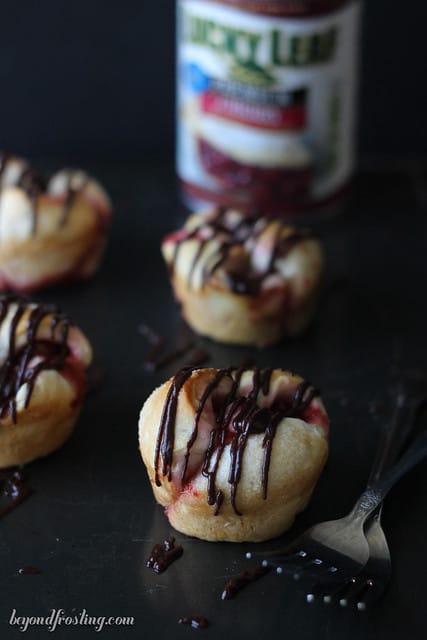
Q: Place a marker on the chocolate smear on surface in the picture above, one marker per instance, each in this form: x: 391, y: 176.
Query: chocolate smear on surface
x: 170, y: 357
x: 27, y: 571
x: 163, y: 555
x: 197, y: 357
x: 13, y: 489
x: 157, y: 341
x: 158, y: 357
x: 238, y: 583
x: 196, y: 622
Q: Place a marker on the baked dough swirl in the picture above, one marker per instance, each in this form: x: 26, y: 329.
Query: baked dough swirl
x: 243, y: 279
x: 233, y: 454
x: 52, y: 228
x: 43, y: 362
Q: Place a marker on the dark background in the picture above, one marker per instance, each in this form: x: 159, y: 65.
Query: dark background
x: 93, y: 78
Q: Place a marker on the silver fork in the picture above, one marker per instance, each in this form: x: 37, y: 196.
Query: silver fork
x: 369, y: 585
x: 339, y: 547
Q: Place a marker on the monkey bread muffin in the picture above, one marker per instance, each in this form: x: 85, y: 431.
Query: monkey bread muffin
x: 233, y: 454
x: 243, y: 279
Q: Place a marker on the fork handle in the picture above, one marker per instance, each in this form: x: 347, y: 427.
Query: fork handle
x: 394, y: 435
x: 377, y: 491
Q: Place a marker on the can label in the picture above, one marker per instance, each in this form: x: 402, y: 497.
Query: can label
x: 266, y: 105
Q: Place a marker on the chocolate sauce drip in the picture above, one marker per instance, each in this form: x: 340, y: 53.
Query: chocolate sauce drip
x: 238, y: 583
x: 236, y: 416
x: 35, y: 183
x: 13, y: 488
x: 157, y: 342
x: 218, y: 436
x: 241, y: 278
x: 18, y: 368
x: 156, y: 360
x: 32, y: 181
x: 162, y: 555
x: 196, y: 622
x: 197, y: 357
x: 166, y: 436
x: 303, y: 396
x: 69, y: 201
x: 29, y: 571
x: 194, y: 434
x: 71, y: 195
x: 169, y: 357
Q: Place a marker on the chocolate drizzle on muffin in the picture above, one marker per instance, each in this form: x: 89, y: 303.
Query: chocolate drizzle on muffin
x: 236, y: 236
x: 73, y: 190
x: 34, y: 183
x: 19, y: 367
x: 237, y: 417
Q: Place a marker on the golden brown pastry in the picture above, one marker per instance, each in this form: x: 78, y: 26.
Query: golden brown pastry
x: 243, y: 280
x: 233, y: 454
x: 52, y: 228
x: 43, y: 362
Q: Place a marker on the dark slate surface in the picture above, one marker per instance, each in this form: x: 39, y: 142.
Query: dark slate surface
x: 92, y: 520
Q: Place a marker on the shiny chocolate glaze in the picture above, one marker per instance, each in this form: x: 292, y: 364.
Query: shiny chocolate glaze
x: 157, y: 359
x: 17, y: 369
x: 196, y: 622
x: 239, y: 582
x: 29, y: 571
x: 229, y: 234
x: 237, y: 417
x: 34, y: 183
x: 162, y: 555
x: 14, y: 489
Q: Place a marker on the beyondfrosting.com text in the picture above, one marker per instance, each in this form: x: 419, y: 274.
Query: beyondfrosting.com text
x: 57, y: 618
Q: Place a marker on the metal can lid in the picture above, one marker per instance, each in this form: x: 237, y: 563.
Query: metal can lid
x: 287, y: 8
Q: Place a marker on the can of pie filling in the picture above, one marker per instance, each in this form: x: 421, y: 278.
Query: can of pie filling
x: 266, y: 97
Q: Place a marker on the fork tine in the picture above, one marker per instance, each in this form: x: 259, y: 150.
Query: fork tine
x: 287, y: 563
x: 301, y: 559
x: 364, y: 592
x: 371, y: 592
x: 330, y: 590
x: 355, y: 544
x: 356, y: 589
x: 359, y: 591
x: 278, y: 557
